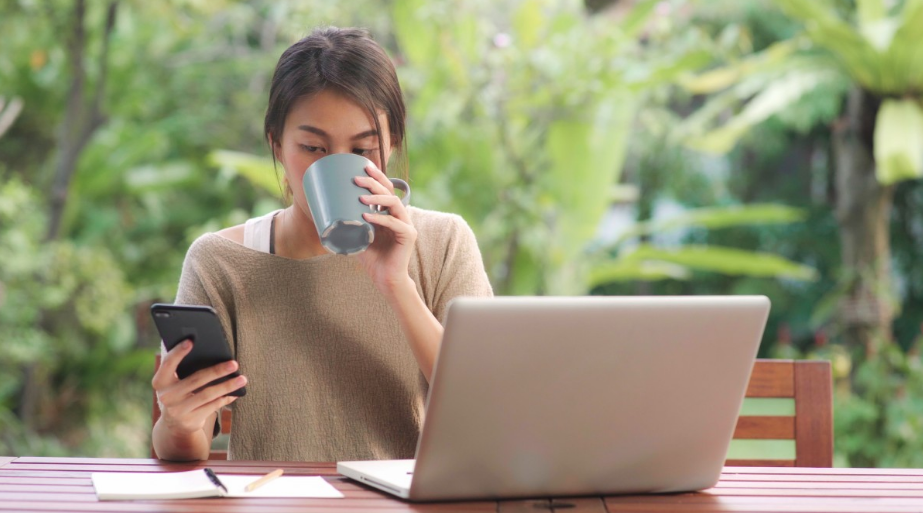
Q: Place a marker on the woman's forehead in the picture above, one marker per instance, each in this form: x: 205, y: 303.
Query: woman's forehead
x: 333, y: 113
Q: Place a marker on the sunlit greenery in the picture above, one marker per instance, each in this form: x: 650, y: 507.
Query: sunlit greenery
x: 651, y: 147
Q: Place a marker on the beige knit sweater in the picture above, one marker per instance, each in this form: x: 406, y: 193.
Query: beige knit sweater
x: 331, y: 376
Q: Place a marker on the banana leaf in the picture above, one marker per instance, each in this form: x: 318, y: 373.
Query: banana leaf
x: 714, y: 218
x: 777, y: 96
x: 651, y: 262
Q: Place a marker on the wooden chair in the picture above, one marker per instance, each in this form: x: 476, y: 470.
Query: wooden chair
x: 214, y: 454
x: 768, y: 416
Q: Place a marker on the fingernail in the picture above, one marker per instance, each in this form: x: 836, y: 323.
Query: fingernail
x: 187, y: 344
x: 242, y: 380
x: 231, y: 365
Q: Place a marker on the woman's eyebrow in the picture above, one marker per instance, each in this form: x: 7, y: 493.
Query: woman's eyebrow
x: 363, y: 135
x: 313, y: 130
x: 318, y: 131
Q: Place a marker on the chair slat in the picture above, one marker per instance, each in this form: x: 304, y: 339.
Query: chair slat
x: 765, y: 428
x: 772, y: 378
x: 226, y: 415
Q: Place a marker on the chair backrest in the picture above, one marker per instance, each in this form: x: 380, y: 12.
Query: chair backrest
x: 214, y: 454
x: 787, y: 416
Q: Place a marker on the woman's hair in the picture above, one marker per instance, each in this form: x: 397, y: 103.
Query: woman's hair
x: 347, y: 61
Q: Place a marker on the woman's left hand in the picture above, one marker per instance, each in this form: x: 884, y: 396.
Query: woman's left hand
x: 388, y: 257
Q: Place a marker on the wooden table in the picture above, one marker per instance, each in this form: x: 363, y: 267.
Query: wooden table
x: 63, y: 484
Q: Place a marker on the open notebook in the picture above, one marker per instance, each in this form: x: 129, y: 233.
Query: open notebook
x: 194, y: 484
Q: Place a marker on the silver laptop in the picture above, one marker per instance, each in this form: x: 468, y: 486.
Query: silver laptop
x: 555, y: 396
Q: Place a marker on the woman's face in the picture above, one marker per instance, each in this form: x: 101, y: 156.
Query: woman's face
x: 323, y: 124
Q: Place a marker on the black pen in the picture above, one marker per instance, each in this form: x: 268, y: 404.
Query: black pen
x: 214, y: 478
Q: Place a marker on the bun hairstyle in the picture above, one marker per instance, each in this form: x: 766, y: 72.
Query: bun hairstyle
x: 349, y: 62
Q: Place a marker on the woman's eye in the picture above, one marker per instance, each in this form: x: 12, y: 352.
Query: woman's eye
x: 312, y: 149
x: 363, y: 152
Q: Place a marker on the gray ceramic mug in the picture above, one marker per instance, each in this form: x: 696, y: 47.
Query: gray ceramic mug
x: 333, y: 198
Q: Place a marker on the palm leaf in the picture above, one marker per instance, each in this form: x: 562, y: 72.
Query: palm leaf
x: 716, y: 218
x: 630, y: 269
x: 852, y: 50
x: 904, y: 57
x: 777, y: 96
x: 715, y: 80
x: 727, y: 261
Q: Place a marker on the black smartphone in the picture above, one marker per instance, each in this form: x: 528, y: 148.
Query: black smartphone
x: 176, y: 323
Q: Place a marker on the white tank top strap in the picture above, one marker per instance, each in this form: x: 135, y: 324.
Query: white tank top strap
x: 258, y: 232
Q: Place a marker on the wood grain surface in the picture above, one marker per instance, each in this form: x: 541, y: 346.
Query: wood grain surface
x: 63, y: 484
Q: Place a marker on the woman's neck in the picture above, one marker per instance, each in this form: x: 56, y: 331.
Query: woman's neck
x: 296, y: 237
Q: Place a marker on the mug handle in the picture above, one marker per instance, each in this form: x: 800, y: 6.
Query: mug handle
x: 404, y: 186
x: 401, y: 185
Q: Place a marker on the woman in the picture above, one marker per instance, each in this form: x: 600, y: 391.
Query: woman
x: 336, y: 352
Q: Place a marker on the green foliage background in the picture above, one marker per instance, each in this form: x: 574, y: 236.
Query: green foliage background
x: 531, y: 118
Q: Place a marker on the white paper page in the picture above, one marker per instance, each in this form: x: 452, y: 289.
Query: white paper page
x: 153, y: 485
x: 284, y: 486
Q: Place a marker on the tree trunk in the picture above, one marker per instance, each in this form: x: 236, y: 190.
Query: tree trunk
x: 82, y: 118
x: 863, y: 209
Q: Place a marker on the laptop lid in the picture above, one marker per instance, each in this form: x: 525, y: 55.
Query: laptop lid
x: 555, y: 396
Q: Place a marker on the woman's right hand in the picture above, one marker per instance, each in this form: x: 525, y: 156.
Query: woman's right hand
x: 183, y: 407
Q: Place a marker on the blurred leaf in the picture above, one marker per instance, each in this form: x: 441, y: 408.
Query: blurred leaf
x: 528, y: 22
x: 638, y: 17
x: 859, y: 58
x: 903, y: 59
x: 163, y: 177
x: 826, y: 308
x: 880, y: 33
x: 777, y: 96
x: 9, y: 111
x: 257, y: 170
x: 635, y: 269
x: 870, y: 11
x: 718, y: 79
x: 586, y: 159
x: 417, y: 37
x: 466, y: 31
x: 899, y: 141
x: 668, y: 69
x: 714, y: 218
x: 727, y: 261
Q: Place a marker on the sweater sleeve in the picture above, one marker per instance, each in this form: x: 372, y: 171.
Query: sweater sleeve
x: 192, y: 291
x: 462, y: 271
x: 189, y: 292
x: 203, y: 282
